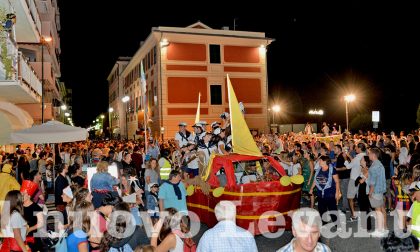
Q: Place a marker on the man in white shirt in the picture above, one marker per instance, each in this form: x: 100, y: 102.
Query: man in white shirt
x: 183, y: 136
x: 355, y: 172
x: 226, y: 236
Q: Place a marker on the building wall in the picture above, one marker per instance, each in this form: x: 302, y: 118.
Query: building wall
x: 185, y: 74
x: 186, y: 71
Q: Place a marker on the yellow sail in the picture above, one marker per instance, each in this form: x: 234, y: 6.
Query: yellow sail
x: 242, y: 140
x: 197, y: 116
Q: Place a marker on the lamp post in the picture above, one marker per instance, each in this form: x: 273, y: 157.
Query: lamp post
x: 44, y: 40
x: 63, y: 108
x: 162, y: 132
x: 275, y: 109
x: 347, y: 99
x: 125, y: 99
x: 110, y: 110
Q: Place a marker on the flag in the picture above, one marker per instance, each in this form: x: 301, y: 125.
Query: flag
x: 242, y: 140
x: 197, y: 116
x: 145, y: 105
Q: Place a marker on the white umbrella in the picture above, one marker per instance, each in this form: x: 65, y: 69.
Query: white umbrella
x: 49, y: 132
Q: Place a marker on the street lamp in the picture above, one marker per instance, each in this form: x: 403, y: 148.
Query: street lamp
x: 347, y: 99
x: 110, y: 110
x: 275, y: 109
x: 44, y: 41
x: 125, y: 99
x: 66, y: 114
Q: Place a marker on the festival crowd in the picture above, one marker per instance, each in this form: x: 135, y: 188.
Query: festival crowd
x: 347, y: 173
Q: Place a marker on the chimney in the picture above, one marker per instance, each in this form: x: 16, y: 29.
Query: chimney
x: 226, y: 28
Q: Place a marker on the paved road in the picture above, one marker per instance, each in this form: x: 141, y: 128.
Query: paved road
x: 336, y: 244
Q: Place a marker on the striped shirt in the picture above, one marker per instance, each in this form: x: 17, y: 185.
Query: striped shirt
x: 320, y: 247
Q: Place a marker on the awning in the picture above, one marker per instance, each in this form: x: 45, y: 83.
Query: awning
x: 12, y: 118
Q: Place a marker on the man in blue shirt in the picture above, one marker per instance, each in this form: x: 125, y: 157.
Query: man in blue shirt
x: 226, y: 236
x: 172, y: 193
x: 377, y: 188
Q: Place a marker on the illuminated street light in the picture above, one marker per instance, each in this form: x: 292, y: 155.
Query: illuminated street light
x: 66, y: 114
x: 110, y: 110
x: 125, y: 99
x: 97, y: 120
x: 316, y: 112
x: 347, y: 99
x: 63, y: 107
x: 102, y: 116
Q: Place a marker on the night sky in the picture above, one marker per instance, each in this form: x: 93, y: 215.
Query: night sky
x: 322, y: 51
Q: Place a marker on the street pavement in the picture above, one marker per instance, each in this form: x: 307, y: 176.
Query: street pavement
x: 338, y: 244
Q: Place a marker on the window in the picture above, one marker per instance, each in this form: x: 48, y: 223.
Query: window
x: 215, y: 54
x: 216, y: 94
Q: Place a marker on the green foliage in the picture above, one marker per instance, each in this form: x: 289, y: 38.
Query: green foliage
x: 418, y: 115
x: 5, y: 58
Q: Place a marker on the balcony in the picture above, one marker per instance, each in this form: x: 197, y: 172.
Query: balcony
x: 18, y: 81
x: 28, y: 22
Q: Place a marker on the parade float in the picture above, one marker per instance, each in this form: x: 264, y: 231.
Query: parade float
x: 258, y: 185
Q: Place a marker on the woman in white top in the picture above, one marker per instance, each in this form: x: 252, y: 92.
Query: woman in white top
x: 15, y: 232
x: 167, y: 231
x: 403, y: 157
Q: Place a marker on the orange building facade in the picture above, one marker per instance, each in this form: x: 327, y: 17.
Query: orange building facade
x: 180, y: 63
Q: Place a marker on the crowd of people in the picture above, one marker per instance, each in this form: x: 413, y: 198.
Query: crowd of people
x: 363, y: 172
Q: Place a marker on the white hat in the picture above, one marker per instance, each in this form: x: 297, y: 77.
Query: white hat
x: 215, y: 123
x: 130, y: 198
x: 217, y: 131
x: 197, y: 125
x: 224, y: 115
x: 152, y: 185
x: 67, y: 191
x: 202, y: 123
x: 182, y: 124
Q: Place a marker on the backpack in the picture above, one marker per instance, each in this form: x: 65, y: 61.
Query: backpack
x: 126, y: 248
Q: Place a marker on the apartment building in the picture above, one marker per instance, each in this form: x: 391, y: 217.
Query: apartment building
x: 180, y: 63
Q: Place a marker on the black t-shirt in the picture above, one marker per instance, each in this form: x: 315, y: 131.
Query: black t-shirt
x: 29, y: 213
x: 339, y: 164
x: 386, y: 162
x: 411, y: 148
x: 60, y: 183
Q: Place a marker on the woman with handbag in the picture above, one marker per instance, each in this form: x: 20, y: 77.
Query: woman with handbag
x: 15, y: 231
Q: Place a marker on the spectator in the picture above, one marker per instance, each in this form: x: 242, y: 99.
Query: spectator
x: 15, y: 232
x: 377, y: 188
x: 226, y: 236
x: 153, y: 202
x: 8, y: 182
x: 80, y: 224
x: 60, y: 183
x: 165, y: 165
x: 328, y: 187
x: 167, y: 237
x: 362, y: 195
x: 355, y: 170
x: 78, y: 178
x: 32, y: 213
x: 172, y: 193
x: 123, y: 234
x: 102, y: 183
x: 306, y: 228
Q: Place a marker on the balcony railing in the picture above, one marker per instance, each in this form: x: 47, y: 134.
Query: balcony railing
x: 27, y: 75
x: 34, y: 14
